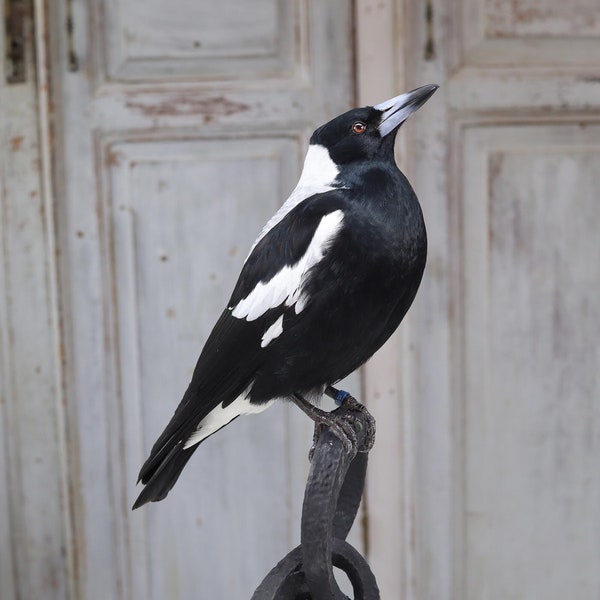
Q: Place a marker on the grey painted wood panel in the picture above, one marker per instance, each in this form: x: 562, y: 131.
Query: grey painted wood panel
x: 183, y: 217
x: 236, y: 40
x: 531, y: 421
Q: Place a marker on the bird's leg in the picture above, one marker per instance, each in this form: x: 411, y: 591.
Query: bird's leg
x: 349, y: 402
x: 342, y: 428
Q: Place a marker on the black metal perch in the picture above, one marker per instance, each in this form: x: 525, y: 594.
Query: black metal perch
x: 331, y: 500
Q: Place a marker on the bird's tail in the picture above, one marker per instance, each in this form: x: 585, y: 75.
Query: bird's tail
x: 183, y: 434
x: 160, y: 478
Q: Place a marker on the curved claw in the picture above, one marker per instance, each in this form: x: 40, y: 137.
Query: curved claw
x: 342, y: 426
x: 351, y: 403
x: 341, y: 421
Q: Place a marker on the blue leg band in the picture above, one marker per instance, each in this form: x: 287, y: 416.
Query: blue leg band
x: 340, y: 397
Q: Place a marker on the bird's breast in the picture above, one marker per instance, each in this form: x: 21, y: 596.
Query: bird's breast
x: 387, y: 229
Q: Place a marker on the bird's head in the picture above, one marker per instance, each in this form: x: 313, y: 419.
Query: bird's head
x: 369, y: 132
x: 356, y: 138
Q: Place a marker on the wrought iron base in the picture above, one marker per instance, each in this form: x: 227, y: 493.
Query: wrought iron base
x: 331, y: 500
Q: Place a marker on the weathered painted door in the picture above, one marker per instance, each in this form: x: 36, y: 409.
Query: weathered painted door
x: 180, y: 132
x: 504, y: 353
x: 166, y: 142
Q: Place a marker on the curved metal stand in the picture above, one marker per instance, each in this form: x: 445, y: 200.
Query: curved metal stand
x: 331, y: 500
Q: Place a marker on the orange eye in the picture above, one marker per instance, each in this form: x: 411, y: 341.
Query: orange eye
x: 359, y: 127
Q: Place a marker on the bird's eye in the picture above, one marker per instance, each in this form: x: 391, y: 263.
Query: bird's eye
x: 359, y: 127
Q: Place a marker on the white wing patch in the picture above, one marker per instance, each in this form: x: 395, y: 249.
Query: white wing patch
x: 286, y: 286
x: 219, y: 417
x: 272, y: 332
x: 318, y: 176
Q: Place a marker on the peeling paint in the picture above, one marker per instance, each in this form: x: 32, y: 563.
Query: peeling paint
x: 535, y: 17
x: 185, y: 104
x: 16, y: 142
x: 113, y: 159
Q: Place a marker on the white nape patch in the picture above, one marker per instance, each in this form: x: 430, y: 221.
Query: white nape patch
x: 318, y: 170
x: 286, y: 286
x: 220, y: 416
x: 272, y: 332
x: 318, y: 176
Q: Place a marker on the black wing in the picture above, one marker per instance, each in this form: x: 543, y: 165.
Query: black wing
x: 232, y: 353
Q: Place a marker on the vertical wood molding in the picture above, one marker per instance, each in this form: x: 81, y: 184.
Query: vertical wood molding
x: 47, y: 140
x: 388, y: 390
x: 38, y: 543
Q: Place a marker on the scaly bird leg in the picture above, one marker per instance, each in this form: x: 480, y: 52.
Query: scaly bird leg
x: 349, y: 402
x: 341, y: 424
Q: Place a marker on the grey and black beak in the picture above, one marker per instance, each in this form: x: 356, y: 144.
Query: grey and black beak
x: 397, y: 110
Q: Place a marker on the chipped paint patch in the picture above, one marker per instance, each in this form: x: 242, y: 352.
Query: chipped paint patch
x: 16, y: 142
x: 186, y: 104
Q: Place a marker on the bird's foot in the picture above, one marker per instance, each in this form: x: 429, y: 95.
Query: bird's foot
x: 342, y: 426
x: 348, y: 402
x: 341, y: 421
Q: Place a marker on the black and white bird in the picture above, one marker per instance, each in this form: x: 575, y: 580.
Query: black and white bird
x: 326, y: 283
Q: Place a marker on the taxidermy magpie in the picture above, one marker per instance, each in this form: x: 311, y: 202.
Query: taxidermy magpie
x: 326, y: 283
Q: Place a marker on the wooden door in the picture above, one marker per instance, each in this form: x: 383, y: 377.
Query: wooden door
x: 483, y: 481
x: 503, y: 349
x: 179, y: 133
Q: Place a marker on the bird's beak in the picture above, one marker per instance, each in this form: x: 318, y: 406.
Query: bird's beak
x: 397, y: 110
